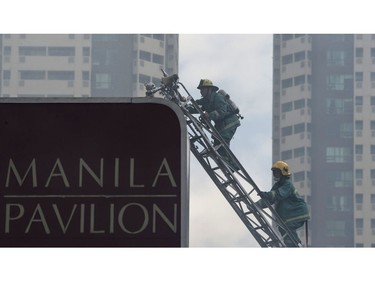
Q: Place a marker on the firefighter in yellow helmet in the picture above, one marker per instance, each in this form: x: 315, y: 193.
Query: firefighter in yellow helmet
x: 217, y: 109
x: 287, y: 202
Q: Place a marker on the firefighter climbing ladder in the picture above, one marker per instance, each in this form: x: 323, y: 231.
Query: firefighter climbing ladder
x: 235, y: 184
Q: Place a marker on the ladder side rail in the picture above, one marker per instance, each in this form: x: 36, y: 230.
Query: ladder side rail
x: 214, y: 132
x: 232, y: 199
x: 250, y: 226
x: 208, y: 125
x: 170, y: 91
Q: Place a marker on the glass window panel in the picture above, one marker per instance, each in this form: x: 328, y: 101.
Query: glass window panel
x: 358, y: 149
x: 32, y: 75
x: 6, y: 74
x: 32, y: 51
x: 299, y: 56
x: 288, y: 154
x: 60, y: 75
x: 286, y: 131
x: 358, y: 100
x: 299, y: 128
x: 145, y: 55
x: 299, y: 152
x: 103, y: 81
x: 86, y: 51
x: 287, y: 59
x: 359, y: 198
x: 61, y: 51
x: 298, y: 104
x: 7, y: 51
x: 286, y: 107
x: 157, y: 59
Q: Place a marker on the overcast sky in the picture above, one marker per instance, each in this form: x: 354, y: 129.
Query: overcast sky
x: 241, y: 65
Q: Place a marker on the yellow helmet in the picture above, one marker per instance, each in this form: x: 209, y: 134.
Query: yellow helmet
x: 206, y: 83
x: 282, y: 166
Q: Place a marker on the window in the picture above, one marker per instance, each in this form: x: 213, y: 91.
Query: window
x: 335, y: 58
x: 61, y: 51
x: 298, y: 104
x: 86, y: 51
x: 339, y: 106
x: 372, y: 125
x: 341, y: 178
x: 7, y: 51
x: 359, y: 223
x: 144, y: 78
x: 156, y: 80
x: 372, y: 52
x: 32, y: 75
x: 359, y: 52
x: 299, y: 56
x: 286, y: 107
x: 287, y: 131
x: 6, y: 74
x: 340, y: 82
x: 346, y: 130
x: 299, y: 128
x: 372, y: 76
x: 60, y: 75
x: 157, y: 59
x: 299, y: 80
x: 372, y: 101
x: 286, y: 59
x: 359, y: 198
x: 338, y: 154
x: 372, y: 174
x: 359, y: 125
x: 373, y: 224
x: 299, y: 176
x: 359, y: 174
x: 286, y: 83
x: 339, y: 203
x: 372, y: 149
x: 286, y: 155
x: 158, y: 36
x: 359, y: 149
x: 358, y: 100
x: 106, y: 37
x: 335, y: 228
x: 359, y: 76
x: 103, y: 81
x: 32, y: 51
x: 145, y: 55
x: 85, y: 75
x: 373, y: 201
x: 299, y: 152
x: 286, y: 37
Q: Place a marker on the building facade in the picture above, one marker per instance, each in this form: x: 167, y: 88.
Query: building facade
x: 84, y: 65
x: 324, y: 127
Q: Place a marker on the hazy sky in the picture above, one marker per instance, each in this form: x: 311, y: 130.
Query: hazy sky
x: 242, y: 65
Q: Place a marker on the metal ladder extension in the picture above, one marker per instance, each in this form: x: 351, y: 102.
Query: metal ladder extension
x: 234, y: 183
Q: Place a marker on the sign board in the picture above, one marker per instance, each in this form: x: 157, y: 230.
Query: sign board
x: 93, y: 173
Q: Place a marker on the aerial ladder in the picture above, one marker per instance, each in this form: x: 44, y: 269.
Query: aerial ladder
x: 227, y: 173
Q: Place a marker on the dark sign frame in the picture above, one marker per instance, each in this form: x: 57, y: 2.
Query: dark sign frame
x: 93, y: 172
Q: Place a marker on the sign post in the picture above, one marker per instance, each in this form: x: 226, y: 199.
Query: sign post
x: 93, y: 173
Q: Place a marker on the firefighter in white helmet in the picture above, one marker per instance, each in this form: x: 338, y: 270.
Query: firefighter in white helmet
x: 289, y: 205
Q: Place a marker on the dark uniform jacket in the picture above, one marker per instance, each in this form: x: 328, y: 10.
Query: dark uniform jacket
x: 219, y: 111
x: 287, y: 202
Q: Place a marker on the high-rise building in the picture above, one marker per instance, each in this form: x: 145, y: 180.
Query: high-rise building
x: 324, y: 127
x: 84, y: 65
